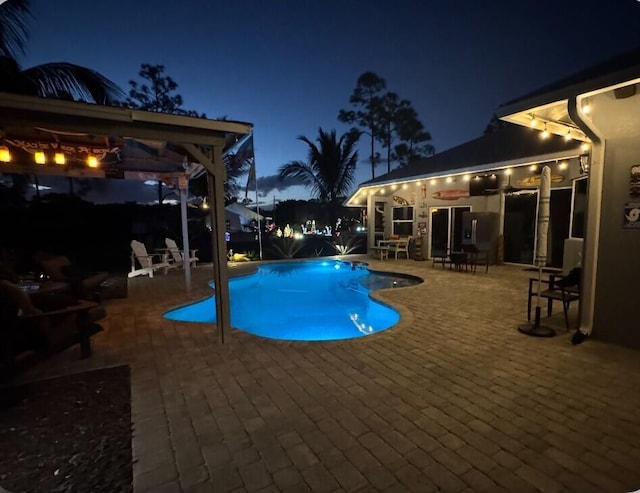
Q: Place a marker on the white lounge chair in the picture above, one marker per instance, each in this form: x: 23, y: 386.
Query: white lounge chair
x: 148, y: 263
x: 178, y: 255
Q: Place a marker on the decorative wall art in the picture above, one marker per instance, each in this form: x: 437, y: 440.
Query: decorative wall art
x: 634, y: 180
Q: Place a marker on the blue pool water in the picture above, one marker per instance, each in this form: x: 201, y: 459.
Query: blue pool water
x: 304, y: 301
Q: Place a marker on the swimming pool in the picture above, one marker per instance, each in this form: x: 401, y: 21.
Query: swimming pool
x: 304, y: 301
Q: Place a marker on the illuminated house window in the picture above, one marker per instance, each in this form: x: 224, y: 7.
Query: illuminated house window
x: 403, y: 221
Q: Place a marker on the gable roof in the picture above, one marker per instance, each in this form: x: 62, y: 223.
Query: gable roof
x: 507, y: 145
x: 616, y: 70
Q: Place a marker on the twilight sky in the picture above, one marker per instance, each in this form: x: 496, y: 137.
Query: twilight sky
x: 289, y: 66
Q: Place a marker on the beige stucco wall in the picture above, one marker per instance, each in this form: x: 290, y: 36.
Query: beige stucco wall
x: 423, y: 195
x: 617, y: 271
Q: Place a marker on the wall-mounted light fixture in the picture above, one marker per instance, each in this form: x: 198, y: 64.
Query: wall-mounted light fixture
x: 59, y: 158
x: 40, y: 158
x: 584, y: 164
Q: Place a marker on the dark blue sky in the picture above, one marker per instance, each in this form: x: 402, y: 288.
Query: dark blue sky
x: 289, y: 66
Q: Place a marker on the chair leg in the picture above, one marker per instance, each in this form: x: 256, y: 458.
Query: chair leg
x: 565, y: 306
x: 529, y: 300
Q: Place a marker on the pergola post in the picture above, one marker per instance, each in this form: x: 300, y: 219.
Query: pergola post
x: 183, y: 185
x: 215, y: 178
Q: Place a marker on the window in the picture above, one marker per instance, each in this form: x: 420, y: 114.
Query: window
x: 403, y: 221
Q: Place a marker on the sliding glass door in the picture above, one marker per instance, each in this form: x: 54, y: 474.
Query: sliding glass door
x: 520, y: 213
x: 446, y: 229
x: 520, y: 227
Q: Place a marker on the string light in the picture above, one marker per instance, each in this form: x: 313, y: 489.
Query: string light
x: 584, y: 146
x: 545, y: 132
x: 567, y: 137
x: 5, y: 155
x: 533, y: 121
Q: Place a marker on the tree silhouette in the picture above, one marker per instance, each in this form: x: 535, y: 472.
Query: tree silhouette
x: 366, y: 100
x: 55, y: 80
x: 329, y: 170
x: 386, y: 118
x: 157, y: 93
x: 414, y: 139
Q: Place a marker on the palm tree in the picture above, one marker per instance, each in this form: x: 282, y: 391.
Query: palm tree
x: 55, y: 80
x: 329, y: 172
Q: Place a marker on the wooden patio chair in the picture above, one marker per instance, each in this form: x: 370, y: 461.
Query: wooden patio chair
x: 149, y: 263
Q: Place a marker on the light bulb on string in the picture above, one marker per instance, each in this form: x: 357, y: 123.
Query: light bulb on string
x: 545, y: 132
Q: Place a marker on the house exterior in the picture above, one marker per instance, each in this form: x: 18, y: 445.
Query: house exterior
x: 495, y: 175
x: 602, y: 102
x: 587, y: 129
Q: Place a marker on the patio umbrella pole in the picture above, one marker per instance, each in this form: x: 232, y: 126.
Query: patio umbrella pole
x: 536, y: 329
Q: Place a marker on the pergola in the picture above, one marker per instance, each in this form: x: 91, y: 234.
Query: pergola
x: 40, y: 136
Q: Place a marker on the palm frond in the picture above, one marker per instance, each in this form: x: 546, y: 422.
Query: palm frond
x: 66, y: 80
x: 14, y: 17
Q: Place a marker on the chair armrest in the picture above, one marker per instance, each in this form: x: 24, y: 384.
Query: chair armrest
x: 81, y: 306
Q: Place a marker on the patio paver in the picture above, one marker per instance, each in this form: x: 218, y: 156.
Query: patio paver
x: 453, y: 398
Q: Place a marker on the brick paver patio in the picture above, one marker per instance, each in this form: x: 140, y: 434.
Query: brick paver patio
x: 452, y: 399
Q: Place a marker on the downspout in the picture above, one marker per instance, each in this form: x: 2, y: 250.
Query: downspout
x: 592, y: 218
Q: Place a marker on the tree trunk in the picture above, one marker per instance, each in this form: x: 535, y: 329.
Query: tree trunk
x: 373, y: 159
